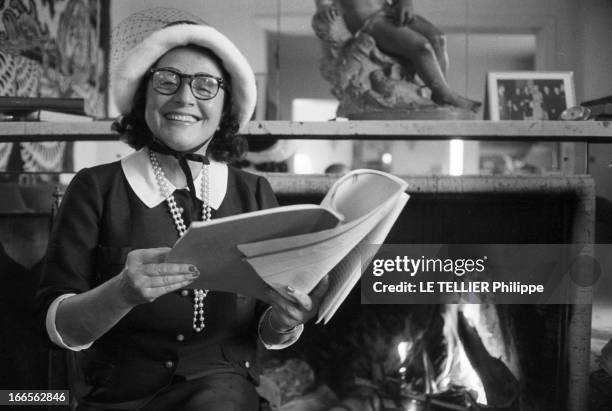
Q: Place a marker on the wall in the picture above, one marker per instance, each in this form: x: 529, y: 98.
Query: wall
x: 554, y: 23
x: 594, y: 80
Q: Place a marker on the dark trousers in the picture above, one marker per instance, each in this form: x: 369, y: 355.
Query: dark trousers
x: 215, y: 392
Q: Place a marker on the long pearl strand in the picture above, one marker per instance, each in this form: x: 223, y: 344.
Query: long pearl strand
x: 175, y: 212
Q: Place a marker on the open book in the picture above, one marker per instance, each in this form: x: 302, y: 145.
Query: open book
x: 297, y: 245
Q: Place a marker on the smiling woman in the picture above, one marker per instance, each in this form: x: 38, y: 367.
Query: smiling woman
x: 174, y: 112
x: 184, y: 91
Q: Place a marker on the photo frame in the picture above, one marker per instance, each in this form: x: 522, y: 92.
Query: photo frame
x: 529, y: 95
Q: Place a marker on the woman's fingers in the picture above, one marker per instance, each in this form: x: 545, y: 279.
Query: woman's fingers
x: 300, y: 298
x: 146, y: 277
x: 168, y: 269
x: 164, y: 275
x: 147, y: 256
x: 287, y: 310
x: 164, y: 281
x: 294, y: 306
x: 319, y: 291
x: 287, y: 315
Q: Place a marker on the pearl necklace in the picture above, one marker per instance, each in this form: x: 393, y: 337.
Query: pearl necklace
x: 175, y: 212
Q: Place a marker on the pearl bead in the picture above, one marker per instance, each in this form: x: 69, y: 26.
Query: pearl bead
x: 176, y: 214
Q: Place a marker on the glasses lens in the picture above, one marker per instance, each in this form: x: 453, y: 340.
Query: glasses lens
x: 205, y: 87
x: 166, y: 82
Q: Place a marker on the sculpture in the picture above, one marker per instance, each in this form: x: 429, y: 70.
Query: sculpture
x: 373, y: 53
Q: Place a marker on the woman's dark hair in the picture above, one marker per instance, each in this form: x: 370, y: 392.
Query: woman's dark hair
x: 226, y: 145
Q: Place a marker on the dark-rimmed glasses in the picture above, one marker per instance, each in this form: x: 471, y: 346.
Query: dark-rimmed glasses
x: 168, y: 81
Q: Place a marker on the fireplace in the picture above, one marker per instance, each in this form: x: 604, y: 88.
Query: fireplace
x: 462, y: 357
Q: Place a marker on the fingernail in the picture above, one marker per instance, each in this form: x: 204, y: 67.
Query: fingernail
x: 290, y: 289
x: 193, y: 268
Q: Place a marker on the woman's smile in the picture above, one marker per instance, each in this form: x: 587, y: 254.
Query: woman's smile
x: 182, y: 117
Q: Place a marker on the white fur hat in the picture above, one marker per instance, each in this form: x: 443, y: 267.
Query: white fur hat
x: 142, y: 38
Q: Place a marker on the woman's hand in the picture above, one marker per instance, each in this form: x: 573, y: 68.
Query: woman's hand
x: 146, y: 277
x: 296, y: 308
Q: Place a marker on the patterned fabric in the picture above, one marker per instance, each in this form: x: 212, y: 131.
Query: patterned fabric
x: 134, y: 29
x: 50, y: 49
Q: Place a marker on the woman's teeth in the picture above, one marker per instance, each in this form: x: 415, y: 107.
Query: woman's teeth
x: 181, y: 117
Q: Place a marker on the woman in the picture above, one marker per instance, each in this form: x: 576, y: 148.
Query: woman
x: 146, y: 341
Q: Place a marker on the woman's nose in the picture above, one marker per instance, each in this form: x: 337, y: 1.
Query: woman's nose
x: 184, y: 94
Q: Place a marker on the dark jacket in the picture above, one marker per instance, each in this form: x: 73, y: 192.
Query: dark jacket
x: 100, y: 220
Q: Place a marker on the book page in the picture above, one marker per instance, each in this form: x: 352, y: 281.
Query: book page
x: 361, y: 191
x: 212, y: 245
x: 303, y: 267
x: 357, y: 196
x: 275, y: 245
x: 348, y: 272
x: 342, y: 279
x: 365, y: 198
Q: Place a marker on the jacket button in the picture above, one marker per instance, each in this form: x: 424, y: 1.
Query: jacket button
x: 184, y: 293
x: 180, y: 337
x: 169, y: 364
x: 247, y: 364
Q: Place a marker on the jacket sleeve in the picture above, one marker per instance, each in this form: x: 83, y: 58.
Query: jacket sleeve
x: 265, y: 196
x: 69, y: 262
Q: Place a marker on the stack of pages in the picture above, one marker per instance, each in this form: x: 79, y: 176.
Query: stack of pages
x: 297, y: 245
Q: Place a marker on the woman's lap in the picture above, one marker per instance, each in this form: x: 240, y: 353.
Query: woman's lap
x: 217, y: 392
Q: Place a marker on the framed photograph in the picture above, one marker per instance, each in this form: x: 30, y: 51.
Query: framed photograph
x: 529, y: 95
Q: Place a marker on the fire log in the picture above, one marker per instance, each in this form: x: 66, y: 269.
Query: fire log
x: 500, y: 385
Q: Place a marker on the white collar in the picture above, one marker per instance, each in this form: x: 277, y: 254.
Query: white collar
x: 138, y: 171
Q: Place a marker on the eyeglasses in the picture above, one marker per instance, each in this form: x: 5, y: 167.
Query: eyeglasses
x: 203, y: 86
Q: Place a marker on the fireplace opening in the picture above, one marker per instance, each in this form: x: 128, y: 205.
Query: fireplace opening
x: 429, y: 357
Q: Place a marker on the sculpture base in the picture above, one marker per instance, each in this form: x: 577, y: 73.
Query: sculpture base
x: 437, y: 113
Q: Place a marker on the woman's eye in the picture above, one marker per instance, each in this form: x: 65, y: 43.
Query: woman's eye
x: 205, y: 84
x: 203, y: 88
x: 167, y: 83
